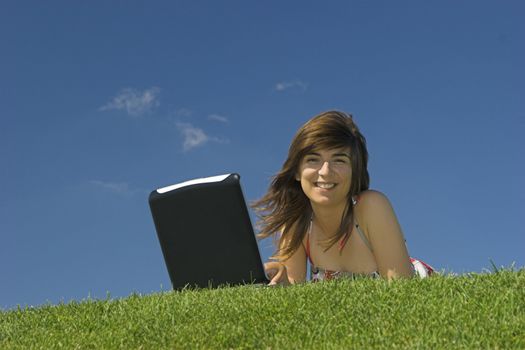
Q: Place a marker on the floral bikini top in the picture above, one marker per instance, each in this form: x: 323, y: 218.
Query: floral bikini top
x: 320, y: 274
x: 419, y: 267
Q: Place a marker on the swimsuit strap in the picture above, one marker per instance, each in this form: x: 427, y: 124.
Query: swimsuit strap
x: 355, y: 199
x: 363, y: 237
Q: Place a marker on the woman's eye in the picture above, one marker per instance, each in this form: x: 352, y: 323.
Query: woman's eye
x: 340, y: 161
x: 311, y: 160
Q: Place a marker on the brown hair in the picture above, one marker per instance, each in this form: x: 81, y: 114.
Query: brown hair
x: 285, y: 207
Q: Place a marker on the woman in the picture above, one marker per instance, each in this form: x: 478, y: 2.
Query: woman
x: 322, y: 210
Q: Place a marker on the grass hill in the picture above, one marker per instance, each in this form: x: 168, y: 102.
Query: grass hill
x: 475, y: 311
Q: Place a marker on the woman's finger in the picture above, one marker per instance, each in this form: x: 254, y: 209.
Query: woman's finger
x: 277, y: 277
x: 275, y: 271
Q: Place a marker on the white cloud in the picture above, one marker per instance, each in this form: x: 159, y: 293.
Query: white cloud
x: 296, y: 84
x: 218, y: 118
x: 115, y: 187
x: 195, y: 137
x: 133, y: 101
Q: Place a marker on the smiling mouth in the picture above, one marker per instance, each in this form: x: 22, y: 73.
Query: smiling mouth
x: 325, y: 185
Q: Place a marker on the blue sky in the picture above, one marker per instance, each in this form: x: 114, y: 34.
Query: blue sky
x: 103, y: 102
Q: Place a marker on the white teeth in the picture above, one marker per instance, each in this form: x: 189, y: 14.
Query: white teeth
x: 324, y: 185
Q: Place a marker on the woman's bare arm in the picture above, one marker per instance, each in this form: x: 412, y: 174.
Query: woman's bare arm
x: 290, y: 271
x: 385, y: 234
x: 296, y: 266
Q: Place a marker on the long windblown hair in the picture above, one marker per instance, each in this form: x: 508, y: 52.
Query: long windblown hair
x: 285, y: 208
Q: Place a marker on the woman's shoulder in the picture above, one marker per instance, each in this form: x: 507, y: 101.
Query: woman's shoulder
x: 371, y: 197
x: 372, y: 202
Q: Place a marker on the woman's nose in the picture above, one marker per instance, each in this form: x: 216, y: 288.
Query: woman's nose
x: 325, y: 168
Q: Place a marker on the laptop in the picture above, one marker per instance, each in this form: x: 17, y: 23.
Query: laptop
x: 206, y: 234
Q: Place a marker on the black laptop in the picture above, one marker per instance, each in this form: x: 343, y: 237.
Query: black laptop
x: 206, y: 234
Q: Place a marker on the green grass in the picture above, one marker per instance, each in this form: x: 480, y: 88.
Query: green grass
x: 476, y: 311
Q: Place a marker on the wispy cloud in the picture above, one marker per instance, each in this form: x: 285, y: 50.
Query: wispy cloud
x: 286, y: 85
x: 133, y: 101
x: 218, y: 118
x: 121, y: 188
x: 195, y: 137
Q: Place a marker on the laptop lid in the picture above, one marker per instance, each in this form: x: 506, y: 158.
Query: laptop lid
x: 205, y: 233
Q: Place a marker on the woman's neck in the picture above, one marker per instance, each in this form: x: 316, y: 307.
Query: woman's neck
x: 328, y: 219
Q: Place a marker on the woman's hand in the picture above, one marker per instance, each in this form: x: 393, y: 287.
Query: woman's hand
x: 277, y: 273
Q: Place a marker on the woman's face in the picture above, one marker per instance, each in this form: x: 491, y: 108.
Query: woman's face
x: 325, y: 176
